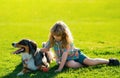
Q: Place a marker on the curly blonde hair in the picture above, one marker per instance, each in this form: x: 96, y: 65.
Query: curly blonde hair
x: 60, y: 29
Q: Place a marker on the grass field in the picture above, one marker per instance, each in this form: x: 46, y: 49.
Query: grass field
x: 95, y: 26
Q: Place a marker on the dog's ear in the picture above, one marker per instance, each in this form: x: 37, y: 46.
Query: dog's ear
x: 32, y: 47
x: 38, y: 58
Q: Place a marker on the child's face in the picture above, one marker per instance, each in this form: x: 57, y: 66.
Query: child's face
x: 57, y: 38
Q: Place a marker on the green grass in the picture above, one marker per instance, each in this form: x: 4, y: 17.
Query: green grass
x: 95, y: 26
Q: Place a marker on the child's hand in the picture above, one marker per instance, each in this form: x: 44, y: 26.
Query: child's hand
x: 58, y: 70
x: 58, y: 61
x: 44, y: 49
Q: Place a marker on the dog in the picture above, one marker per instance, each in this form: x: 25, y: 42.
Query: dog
x: 32, y: 57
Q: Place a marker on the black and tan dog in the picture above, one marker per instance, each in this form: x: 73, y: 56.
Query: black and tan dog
x: 32, y: 57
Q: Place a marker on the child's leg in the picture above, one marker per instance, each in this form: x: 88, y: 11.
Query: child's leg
x: 73, y: 64
x: 96, y: 61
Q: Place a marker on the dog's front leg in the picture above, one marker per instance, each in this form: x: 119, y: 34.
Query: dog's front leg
x: 20, y: 73
x: 24, y: 70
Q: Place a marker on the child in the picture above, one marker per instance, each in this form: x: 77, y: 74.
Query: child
x: 66, y: 54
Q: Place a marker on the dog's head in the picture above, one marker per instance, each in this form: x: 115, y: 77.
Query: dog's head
x: 25, y: 45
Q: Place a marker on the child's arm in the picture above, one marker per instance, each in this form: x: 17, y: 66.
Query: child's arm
x: 63, y: 60
x: 44, y: 49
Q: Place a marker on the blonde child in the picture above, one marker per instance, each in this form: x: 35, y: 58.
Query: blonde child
x: 66, y: 54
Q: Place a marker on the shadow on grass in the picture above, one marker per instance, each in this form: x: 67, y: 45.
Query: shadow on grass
x: 33, y: 74
x: 14, y: 73
x: 49, y: 74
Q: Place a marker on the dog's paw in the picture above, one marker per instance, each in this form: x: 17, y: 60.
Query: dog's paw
x: 20, y: 73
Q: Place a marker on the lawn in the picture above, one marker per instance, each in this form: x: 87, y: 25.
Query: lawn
x: 95, y: 26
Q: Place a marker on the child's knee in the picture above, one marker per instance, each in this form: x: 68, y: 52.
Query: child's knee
x: 89, y: 62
